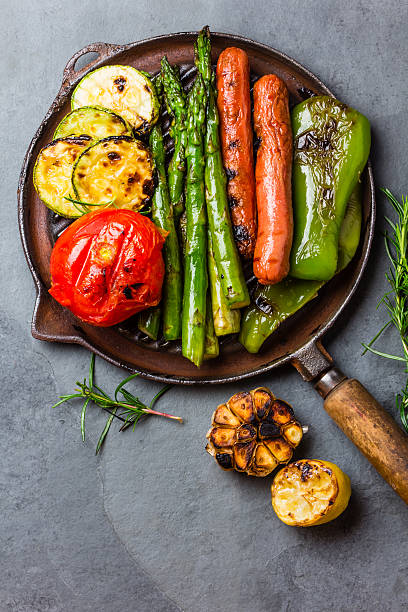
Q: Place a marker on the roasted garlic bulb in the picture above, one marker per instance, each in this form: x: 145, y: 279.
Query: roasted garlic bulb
x: 253, y: 433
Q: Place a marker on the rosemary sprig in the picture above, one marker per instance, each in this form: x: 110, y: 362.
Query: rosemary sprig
x: 396, y: 300
x: 83, y: 207
x: 145, y: 212
x: 129, y: 409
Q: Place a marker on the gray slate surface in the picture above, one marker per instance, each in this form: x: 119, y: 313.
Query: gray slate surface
x: 154, y: 525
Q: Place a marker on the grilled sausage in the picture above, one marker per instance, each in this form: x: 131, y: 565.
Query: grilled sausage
x: 273, y: 180
x: 234, y: 106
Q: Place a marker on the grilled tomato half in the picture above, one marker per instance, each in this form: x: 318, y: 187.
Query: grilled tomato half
x: 107, y: 266
x: 310, y: 492
x: 253, y: 433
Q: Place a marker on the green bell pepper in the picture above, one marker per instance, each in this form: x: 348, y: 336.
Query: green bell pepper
x: 332, y: 143
x: 350, y: 230
x: 272, y: 304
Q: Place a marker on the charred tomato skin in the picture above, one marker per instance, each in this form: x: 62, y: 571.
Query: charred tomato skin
x: 107, y: 266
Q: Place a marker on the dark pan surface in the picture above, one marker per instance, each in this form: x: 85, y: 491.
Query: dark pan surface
x: 124, y: 345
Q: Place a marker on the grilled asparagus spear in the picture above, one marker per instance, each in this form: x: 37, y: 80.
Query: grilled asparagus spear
x: 226, y: 321
x: 162, y: 215
x: 211, y: 347
x: 149, y: 322
x: 195, y: 260
x: 175, y: 98
x: 225, y: 251
x: 219, y: 319
x: 183, y: 232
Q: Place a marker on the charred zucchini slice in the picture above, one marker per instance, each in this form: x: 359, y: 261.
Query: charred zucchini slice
x: 53, y: 171
x: 93, y: 121
x: 117, y: 168
x: 124, y: 90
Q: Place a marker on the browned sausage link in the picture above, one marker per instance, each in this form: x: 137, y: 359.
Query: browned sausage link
x: 234, y: 106
x: 273, y: 176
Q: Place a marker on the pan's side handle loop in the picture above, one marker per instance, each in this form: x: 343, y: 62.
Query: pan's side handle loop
x: 104, y: 50
x: 371, y: 428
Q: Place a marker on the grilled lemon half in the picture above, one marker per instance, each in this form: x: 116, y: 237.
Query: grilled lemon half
x: 310, y: 492
x: 253, y: 433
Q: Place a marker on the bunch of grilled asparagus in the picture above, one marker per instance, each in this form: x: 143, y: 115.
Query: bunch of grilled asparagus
x: 204, y: 286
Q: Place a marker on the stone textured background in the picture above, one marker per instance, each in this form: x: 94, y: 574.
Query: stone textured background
x: 153, y: 524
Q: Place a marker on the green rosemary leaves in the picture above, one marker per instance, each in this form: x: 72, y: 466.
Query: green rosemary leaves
x: 124, y: 406
x: 396, y: 299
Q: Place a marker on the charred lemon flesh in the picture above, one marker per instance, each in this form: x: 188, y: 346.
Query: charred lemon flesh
x: 310, y: 492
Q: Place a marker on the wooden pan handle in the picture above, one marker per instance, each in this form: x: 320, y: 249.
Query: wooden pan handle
x: 358, y: 414
x: 372, y: 430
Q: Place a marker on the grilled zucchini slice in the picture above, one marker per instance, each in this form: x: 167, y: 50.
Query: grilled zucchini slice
x: 124, y: 90
x: 93, y: 121
x: 53, y: 171
x: 117, y: 168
